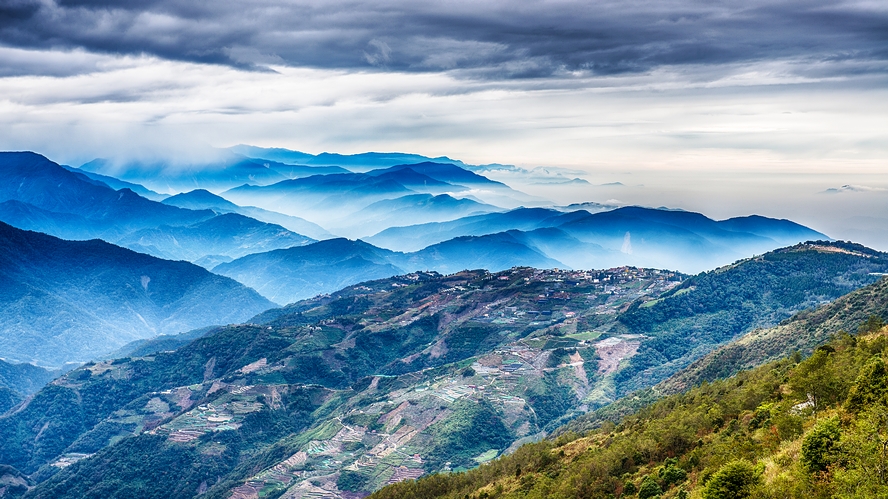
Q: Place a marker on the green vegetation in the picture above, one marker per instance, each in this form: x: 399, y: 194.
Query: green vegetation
x: 394, y: 379
x: 758, y: 434
x: 717, y: 306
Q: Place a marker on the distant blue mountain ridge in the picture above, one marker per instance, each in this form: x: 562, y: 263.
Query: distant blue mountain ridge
x: 422, y: 216
x: 38, y: 194
x: 534, y: 237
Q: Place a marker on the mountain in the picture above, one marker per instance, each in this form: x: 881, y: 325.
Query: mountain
x: 330, y: 198
x: 20, y: 380
x: 442, y: 172
x: 118, y: 184
x: 201, y: 199
x: 224, y: 172
x: 355, y: 162
x: 416, y: 237
x: 786, y: 429
x: 381, y: 381
x: 288, y: 275
x: 684, y: 240
x: 719, y: 306
x: 636, y: 236
x: 296, y: 273
x: 24, y: 378
x: 397, y: 378
x: 227, y: 236
x: 324, y: 197
x: 70, y: 301
x: 415, y: 208
x: 49, y: 197
x: 802, y: 334
x: 494, y: 252
x: 278, y: 154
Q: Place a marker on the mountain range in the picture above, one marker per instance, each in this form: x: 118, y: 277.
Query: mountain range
x: 401, y: 377
x: 70, y: 301
x: 578, y: 239
x: 40, y: 195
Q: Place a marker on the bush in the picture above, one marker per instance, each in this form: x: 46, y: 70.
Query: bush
x: 734, y: 480
x: 820, y: 445
x: 649, y: 488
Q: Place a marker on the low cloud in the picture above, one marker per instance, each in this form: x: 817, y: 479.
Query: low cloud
x: 853, y: 188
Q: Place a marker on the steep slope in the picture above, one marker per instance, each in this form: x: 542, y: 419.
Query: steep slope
x: 65, y: 301
x: 801, y: 334
x: 716, y: 307
x: 347, y: 388
x: 390, y: 379
x: 24, y: 378
x: 201, y: 199
x: 226, y: 236
x: 787, y: 429
x: 288, y: 275
x: 19, y: 380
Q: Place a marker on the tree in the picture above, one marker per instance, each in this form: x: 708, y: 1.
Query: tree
x: 872, y: 324
x: 816, y: 379
x: 734, y: 480
x: 820, y: 445
x: 870, y: 386
x: 649, y: 488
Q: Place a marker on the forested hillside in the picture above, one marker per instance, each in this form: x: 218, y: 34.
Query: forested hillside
x: 813, y: 428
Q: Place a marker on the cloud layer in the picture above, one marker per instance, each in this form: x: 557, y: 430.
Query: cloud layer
x: 480, y: 40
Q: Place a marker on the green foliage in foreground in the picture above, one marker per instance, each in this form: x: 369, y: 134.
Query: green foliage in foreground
x: 811, y: 429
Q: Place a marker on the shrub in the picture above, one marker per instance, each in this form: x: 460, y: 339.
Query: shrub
x: 734, y: 480
x: 820, y: 444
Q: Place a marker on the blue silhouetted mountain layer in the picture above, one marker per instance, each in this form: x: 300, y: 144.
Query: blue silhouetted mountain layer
x: 228, y: 235
x: 201, y: 199
x: 328, y: 199
x: 443, y: 172
x: 659, y: 238
x: 325, y: 198
x: 227, y: 170
x: 493, y: 252
x: 76, y: 206
x: 69, y: 204
x: 69, y: 301
x: 413, y: 208
x: 117, y: 184
x: 355, y: 162
x: 416, y: 237
x: 288, y: 275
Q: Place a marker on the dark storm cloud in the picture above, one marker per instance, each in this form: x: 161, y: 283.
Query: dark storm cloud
x: 495, y: 39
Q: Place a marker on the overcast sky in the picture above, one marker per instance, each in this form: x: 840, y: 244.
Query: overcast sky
x: 696, y: 91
